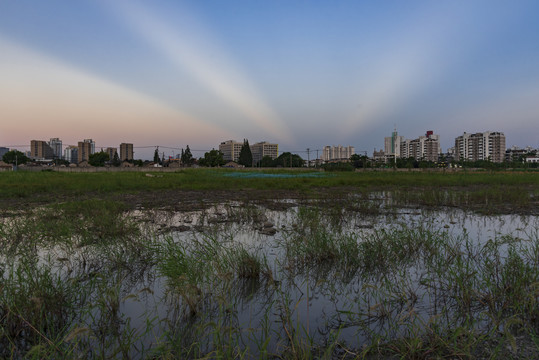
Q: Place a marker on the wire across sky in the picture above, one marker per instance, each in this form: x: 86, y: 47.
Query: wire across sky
x: 300, y: 74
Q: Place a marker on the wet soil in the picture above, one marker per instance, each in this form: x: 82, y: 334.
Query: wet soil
x: 190, y: 200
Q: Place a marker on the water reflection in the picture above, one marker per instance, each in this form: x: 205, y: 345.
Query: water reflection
x: 366, y: 273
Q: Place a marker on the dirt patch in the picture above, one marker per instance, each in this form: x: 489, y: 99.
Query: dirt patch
x: 190, y: 200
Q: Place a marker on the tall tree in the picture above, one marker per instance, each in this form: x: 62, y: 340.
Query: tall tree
x: 246, y: 157
x: 212, y: 158
x: 288, y: 159
x: 266, y: 161
x: 116, y: 159
x: 98, y: 159
x: 156, y: 155
x: 14, y: 156
x: 187, y: 157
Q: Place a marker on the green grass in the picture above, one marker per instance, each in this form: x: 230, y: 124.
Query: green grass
x: 487, y: 192
x: 26, y: 184
x: 68, y: 268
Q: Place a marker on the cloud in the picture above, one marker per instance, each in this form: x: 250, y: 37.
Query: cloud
x: 189, y: 46
x: 410, y: 61
x: 41, y: 96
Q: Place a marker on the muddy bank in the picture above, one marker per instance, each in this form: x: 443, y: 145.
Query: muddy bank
x: 483, y: 199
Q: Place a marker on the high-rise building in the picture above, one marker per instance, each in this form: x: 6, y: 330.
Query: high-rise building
x: 261, y: 149
x: 480, y: 146
x: 334, y: 153
x: 85, y: 149
x: 3, y: 151
x: 56, y: 146
x: 39, y: 149
x: 111, y: 151
x: 126, y: 152
x: 392, y: 144
x: 425, y: 147
x: 71, y: 154
x: 231, y: 150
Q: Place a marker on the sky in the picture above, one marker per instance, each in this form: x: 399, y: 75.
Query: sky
x: 303, y: 74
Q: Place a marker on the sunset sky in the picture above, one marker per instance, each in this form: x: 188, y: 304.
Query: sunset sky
x: 303, y: 74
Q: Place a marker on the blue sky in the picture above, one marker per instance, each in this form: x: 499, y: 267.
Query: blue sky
x: 299, y: 73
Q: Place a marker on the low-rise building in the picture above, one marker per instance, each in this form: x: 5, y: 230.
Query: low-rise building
x: 5, y: 167
x: 379, y: 156
x: 517, y: 154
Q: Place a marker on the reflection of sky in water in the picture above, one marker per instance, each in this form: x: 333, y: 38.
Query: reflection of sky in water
x: 322, y: 301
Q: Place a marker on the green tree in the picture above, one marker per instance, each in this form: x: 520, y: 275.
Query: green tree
x: 14, y: 156
x: 116, y: 160
x: 98, y: 158
x: 288, y: 159
x: 187, y: 157
x: 266, y: 161
x: 356, y: 161
x: 246, y: 157
x: 340, y: 166
x: 213, y: 158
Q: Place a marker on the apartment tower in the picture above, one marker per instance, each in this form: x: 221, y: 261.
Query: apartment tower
x: 40, y: 149
x: 126, y: 152
x: 480, y: 146
x: 56, y: 146
x: 425, y: 147
x: 231, y: 150
x: 339, y: 152
x: 264, y: 148
x: 85, y: 149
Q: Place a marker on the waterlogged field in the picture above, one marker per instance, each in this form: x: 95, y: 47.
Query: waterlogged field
x: 343, y: 272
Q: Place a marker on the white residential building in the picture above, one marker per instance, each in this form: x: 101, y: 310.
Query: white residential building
x: 71, y: 154
x: 480, y: 146
x: 392, y: 144
x: 334, y: 153
x: 56, y: 146
x: 426, y: 147
x: 261, y: 149
x: 231, y: 150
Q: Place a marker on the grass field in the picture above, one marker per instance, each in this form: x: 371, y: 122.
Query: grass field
x: 385, y: 257
x: 425, y: 188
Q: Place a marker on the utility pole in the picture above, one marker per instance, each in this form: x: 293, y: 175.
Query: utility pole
x: 316, y: 164
x: 395, y: 148
x: 308, y: 157
x: 364, y: 159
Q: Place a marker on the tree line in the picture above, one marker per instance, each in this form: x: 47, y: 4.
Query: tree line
x: 215, y: 158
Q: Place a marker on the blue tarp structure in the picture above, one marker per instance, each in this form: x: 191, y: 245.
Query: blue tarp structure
x: 261, y: 175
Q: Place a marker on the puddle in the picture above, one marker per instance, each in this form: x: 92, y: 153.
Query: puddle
x: 313, y: 298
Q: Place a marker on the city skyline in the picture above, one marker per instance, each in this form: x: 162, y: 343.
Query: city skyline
x: 425, y: 147
x: 298, y: 74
